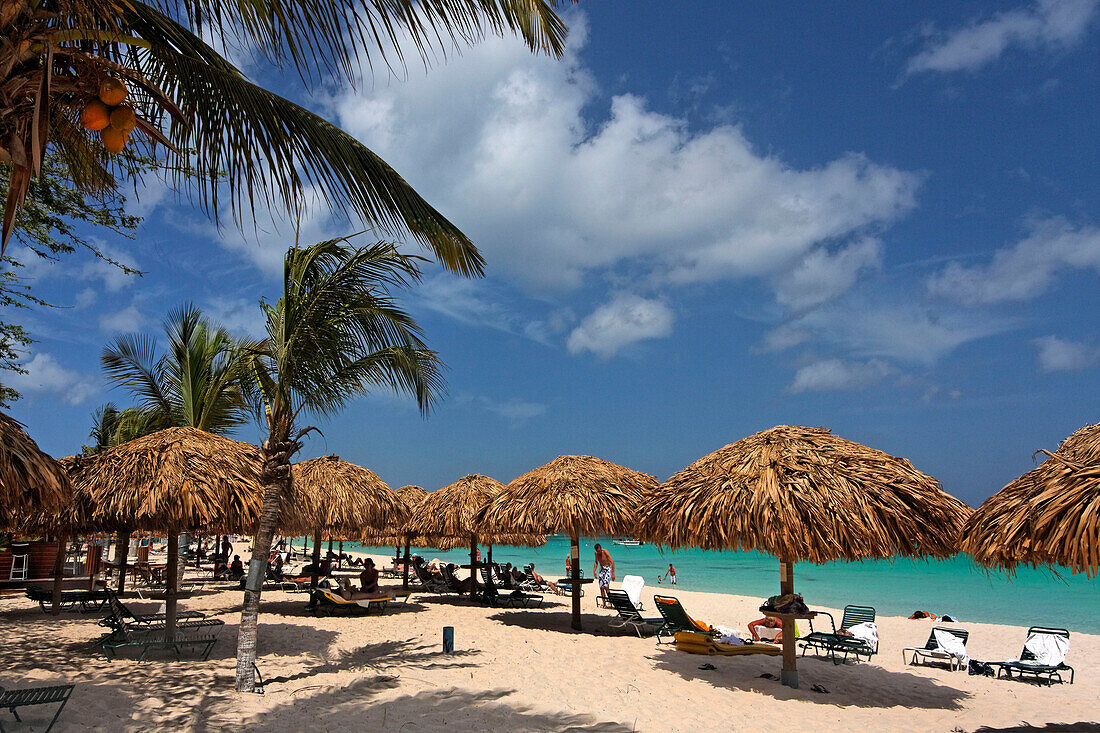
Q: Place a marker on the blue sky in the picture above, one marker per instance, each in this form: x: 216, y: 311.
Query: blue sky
x: 704, y: 221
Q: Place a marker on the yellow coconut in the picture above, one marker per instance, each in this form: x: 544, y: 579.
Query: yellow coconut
x: 112, y: 91
x: 123, y: 118
x: 95, y: 115
x: 114, y: 138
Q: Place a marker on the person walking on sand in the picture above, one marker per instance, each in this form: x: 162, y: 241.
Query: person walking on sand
x: 670, y: 575
x: 604, y: 570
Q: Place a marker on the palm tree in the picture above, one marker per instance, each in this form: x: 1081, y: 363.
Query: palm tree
x: 201, y: 381
x: 335, y: 333
x: 195, y: 111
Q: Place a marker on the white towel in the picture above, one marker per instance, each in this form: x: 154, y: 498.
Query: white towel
x: 1050, y: 650
x: 950, y: 644
x: 866, y: 632
x: 729, y: 636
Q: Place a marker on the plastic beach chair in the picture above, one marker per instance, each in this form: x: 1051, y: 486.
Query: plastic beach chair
x: 677, y: 619
x: 628, y: 613
x: 12, y: 699
x: 1028, y: 665
x: 932, y: 651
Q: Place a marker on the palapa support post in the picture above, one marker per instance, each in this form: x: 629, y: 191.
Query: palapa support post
x: 173, y: 583
x: 58, y: 570
x: 789, y: 675
x: 122, y: 552
x: 473, y: 563
x: 313, y: 573
x: 405, y: 570
x: 575, y: 577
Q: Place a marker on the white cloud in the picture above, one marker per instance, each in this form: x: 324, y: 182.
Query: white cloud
x: 498, y: 141
x: 1024, y: 271
x: 111, y: 276
x: 831, y: 375
x: 241, y: 316
x: 1061, y: 355
x: 822, y: 276
x: 515, y: 410
x: 1049, y: 25
x: 45, y: 376
x: 624, y: 320
x: 127, y: 320
x: 477, y: 302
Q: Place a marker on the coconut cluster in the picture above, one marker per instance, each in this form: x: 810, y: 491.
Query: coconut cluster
x: 107, y: 115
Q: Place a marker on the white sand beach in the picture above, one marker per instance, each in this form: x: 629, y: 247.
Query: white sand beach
x: 520, y: 670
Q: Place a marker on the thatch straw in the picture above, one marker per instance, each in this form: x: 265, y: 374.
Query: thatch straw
x: 579, y: 496
x: 451, y: 511
x: 29, y: 479
x: 339, y: 499
x: 176, y: 480
x: 1050, y: 515
x: 412, y: 495
x: 73, y: 518
x: 804, y: 494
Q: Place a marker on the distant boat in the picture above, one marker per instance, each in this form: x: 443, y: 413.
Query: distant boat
x: 629, y: 543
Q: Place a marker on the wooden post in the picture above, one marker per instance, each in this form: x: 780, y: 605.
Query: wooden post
x: 58, y: 570
x: 473, y: 563
x: 789, y: 675
x: 121, y: 554
x: 405, y: 571
x: 173, y: 584
x: 313, y: 573
x: 575, y: 577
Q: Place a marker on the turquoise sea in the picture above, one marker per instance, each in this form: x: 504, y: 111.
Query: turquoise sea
x: 896, y: 588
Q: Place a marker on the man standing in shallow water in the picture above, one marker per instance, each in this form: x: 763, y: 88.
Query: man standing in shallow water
x: 603, y: 569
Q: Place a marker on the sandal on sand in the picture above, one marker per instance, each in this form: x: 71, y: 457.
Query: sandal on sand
x: 707, y: 666
x: 820, y: 688
x: 769, y: 676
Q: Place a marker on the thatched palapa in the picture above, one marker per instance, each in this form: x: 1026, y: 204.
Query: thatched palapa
x: 804, y: 494
x: 338, y: 499
x: 29, y: 479
x: 1050, y: 515
x: 580, y: 496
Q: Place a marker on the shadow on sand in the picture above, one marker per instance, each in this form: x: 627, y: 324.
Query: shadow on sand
x: 1048, y: 728
x: 382, y: 655
x: 553, y: 620
x: 335, y: 708
x: 861, y: 685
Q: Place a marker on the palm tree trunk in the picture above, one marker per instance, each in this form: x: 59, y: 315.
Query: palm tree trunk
x: 121, y: 553
x: 58, y: 570
x: 276, y: 482
x: 172, y: 585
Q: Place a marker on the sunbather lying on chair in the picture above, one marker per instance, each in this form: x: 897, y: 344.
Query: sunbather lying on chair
x: 349, y: 594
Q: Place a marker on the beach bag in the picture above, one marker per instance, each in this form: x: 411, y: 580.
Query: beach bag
x: 795, y: 605
x: 979, y: 668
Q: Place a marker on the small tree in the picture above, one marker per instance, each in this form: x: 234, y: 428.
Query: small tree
x: 335, y: 333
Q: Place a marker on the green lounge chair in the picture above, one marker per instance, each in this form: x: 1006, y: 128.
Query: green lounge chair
x: 146, y: 640
x: 515, y: 599
x: 332, y: 603
x: 88, y: 600
x: 932, y: 651
x: 12, y: 699
x: 1027, y: 666
x: 120, y: 611
x: 677, y: 619
x: 628, y: 614
x: 833, y: 643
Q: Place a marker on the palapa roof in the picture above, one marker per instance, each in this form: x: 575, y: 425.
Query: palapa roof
x: 451, y: 511
x: 575, y: 495
x: 176, y: 479
x: 72, y: 518
x: 340, y: 499
x: 805, y: 495
x: 1050, y: 515
x: 29, y: 478
x: 411, y: 494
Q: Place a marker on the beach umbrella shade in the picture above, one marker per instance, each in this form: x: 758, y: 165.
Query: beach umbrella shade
x: 579, y: 496
x: 29, y: 478
x: 337, y: 499
x: 1048, y: 516
x: 804, y: 495
x: 176, y: 480
x: 452, y: 511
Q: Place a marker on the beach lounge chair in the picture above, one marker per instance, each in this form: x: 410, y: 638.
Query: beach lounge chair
x: 431, y: 583
x: 628, y: 614
x: 834, y: 643
x: 148, y: 638
x: 632, y: 585
x: 515, y: 599
x: 1043, y: 656
x: 12, y: 699
x: 88, y: 600
x: 934, y: 650
x: 677, y: 619
x: 332, y: 603
x: 120, y: 614
x: 696, y: 643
